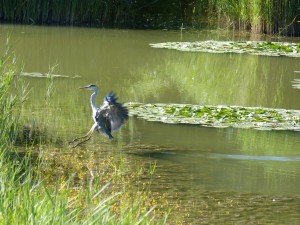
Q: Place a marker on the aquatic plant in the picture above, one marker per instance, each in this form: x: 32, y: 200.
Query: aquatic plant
x: 196, y: 78
x: 219, y: 116
x: 250, y: 47
x: 255, y: 15
x: 296, y: 83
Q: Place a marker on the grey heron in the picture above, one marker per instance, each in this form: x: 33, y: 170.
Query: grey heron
x: 110, y: 116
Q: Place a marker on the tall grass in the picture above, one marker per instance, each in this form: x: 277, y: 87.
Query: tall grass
x: 33, y: 190
x: 106, y: 13
x: 91, y: 13
x: 271, y: 16
x: 8, y: 69
x: 258, y: 16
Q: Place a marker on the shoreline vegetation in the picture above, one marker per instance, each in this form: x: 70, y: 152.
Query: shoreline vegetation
x: 257, y: 16
x: 220, y: 116
x: 41, y: 184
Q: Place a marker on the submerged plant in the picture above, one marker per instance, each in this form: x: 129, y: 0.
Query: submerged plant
x: 273, y: 46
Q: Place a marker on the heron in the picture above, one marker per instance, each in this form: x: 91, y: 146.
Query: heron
x: 110, y: 116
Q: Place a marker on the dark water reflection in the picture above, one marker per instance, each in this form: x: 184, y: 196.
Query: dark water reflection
x: 220, y: 175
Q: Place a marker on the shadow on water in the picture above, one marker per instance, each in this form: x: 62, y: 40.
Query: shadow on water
x: 218, y: 175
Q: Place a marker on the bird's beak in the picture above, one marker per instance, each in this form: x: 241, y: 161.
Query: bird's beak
x: 84, y: 87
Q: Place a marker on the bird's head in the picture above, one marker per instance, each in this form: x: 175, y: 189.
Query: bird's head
x: 90, y: 87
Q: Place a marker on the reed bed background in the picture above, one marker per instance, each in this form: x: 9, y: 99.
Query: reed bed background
x: 258, y: 16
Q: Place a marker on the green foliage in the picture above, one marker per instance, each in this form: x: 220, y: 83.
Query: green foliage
x: 8, y: 69
x: 268, y: 16
x: 219, y: 116
x: 50, y: 85
x: 26, y: 199
x: 186, y: 111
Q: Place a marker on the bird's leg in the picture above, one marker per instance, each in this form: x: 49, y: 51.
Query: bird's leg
x: 79, y: 143
x: 89, y: 135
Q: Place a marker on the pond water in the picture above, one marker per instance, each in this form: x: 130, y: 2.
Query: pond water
x: 220, y: 176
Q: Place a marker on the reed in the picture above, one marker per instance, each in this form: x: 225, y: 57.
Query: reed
x: 271, y: 16
x: 7, y: 101
x: 75, y: 12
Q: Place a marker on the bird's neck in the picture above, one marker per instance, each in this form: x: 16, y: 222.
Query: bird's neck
x: 93, y: 100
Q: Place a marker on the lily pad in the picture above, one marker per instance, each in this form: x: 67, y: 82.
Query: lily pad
x: 250, y: 47
x: 46, y: 75
x: 218, y: 116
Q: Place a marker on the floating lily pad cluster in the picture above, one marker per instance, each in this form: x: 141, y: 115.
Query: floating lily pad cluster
x: 219, y: 116
x: 251, y: 47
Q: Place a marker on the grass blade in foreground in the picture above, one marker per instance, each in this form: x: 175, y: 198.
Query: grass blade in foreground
x: 27, y: 197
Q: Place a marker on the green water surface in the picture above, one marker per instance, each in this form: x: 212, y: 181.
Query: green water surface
x: 220, y: 176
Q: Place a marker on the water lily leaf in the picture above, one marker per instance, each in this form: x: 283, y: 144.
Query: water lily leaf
x: 250, y: 47
x: 219, y: 116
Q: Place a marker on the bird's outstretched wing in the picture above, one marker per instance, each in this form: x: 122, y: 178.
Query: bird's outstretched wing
x: 111, y: 114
